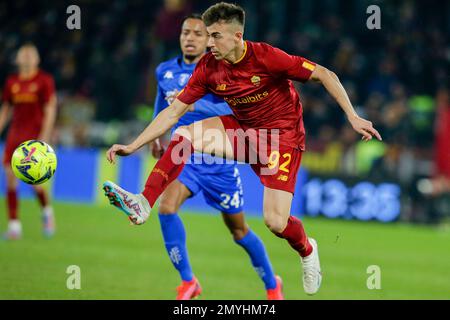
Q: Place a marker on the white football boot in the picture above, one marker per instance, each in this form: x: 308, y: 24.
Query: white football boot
x: 14, y: 231
x: 135, y: 206
x: 312, y: 275
x: 48, y: 222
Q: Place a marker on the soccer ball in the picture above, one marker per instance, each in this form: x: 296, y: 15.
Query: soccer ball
x: 34, y: 162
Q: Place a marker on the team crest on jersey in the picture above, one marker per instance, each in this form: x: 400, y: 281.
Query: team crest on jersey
x: 183, y: 79
x: 221, y: 87
x: 256, y: 81
x: 32, y: 87
x: 15, y: 88
x: 168, y: 75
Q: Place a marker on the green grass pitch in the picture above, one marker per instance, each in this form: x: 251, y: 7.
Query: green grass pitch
x: 120, y: 261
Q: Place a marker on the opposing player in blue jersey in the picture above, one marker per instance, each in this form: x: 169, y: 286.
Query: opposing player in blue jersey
x: 219, y: 183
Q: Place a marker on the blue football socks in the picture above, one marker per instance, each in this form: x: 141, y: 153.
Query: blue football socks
x: 260, y: 260
x: 175, y: 240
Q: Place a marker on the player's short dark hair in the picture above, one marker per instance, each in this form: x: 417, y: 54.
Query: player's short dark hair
x: 196, y: 16
x: 224, y: 11
x: 28, y: 44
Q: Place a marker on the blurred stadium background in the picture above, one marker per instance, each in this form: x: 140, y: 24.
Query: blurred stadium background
x: 382, y: 196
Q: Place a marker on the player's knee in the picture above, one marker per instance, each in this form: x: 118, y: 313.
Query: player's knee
x: 11, y: 184
x: 11, y: 180
x: 167, y: 207
x: 11, y: 187
x: 275, y: 223
x: 38, y: 189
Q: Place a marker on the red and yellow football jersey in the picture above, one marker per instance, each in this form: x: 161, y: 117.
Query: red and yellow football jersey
x: 257, y: 87
x: 28, y: 98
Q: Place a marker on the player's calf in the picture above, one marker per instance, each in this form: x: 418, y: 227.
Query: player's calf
x: 168, y: 168
x: 307, y: 248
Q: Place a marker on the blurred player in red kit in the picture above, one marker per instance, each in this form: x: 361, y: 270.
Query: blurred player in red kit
x: 255, y: 80
x: 439, y: 183
x: 30, y: 96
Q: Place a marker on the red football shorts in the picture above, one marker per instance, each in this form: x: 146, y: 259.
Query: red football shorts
x: 12, y: 142
x: 275, y: 164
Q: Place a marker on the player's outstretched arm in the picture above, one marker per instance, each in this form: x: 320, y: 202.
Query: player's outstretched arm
x: 4, y: 115
x: 165, y: 120
x: 334, y: 87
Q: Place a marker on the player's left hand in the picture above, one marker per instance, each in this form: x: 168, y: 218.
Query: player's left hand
x: 364, y: 127
x: 120, y: 150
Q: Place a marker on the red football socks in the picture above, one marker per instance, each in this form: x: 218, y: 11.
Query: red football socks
x: 167, y: 168
x: 11, y: 199
x: 295, y: 234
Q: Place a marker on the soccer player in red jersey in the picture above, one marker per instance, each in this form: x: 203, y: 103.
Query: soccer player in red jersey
x: 255, y: 80
x: 30, y: 96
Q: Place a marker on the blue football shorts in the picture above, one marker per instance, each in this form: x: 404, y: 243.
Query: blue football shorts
x: 221, y: 187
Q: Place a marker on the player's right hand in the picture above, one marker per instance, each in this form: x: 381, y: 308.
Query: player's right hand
x: 120, y: 150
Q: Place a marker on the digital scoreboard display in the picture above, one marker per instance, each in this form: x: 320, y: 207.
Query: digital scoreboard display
x: 342, y: 198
